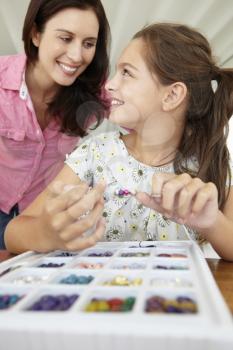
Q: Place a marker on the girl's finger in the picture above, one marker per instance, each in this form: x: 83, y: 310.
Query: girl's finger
x: 147, y: 200
x: 158, y: 182
x: 171, y: 190
x: 206, y: 194
x: 186, y: 197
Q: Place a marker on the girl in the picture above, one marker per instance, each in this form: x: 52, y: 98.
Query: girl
x: 163, y: 92
x: 48, y: 95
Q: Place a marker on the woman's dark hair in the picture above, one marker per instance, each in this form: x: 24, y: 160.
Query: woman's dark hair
x: 175, y: 53
x: 73, y: 105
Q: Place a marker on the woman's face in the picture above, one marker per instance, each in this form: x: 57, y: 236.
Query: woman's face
x: 66, y: 46
x: 135, y: 93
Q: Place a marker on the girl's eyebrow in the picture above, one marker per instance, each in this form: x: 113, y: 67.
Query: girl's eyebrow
x: 70, y: 33
x: 125, y: 64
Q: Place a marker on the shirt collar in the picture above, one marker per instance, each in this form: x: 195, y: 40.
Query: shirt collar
x: 23, y: 91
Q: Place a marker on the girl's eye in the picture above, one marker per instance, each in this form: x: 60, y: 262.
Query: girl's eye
x: 126, y: 73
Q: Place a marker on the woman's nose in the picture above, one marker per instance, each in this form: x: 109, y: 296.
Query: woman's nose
x: 75, y: 53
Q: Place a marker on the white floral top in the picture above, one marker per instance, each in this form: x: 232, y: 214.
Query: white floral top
x: 105, y: 157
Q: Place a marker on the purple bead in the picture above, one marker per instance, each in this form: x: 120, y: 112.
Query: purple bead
x: 60, y: 302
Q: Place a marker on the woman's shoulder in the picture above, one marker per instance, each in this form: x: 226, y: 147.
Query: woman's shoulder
x: 11, y: 70
x: 7, y: 61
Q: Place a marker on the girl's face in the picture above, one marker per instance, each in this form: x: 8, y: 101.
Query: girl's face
x: 66, y: 46
x: 135, y: 93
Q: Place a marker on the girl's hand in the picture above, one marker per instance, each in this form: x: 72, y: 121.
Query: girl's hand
x: 183, y: 199
x: 68, y: 213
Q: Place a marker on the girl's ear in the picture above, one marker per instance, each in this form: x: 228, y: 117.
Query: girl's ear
x: 35, y: 35
x: 174, y: 96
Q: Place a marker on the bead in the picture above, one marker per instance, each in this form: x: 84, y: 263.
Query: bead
x: 64, y: 254
x: 84, y: 265
x: 170, y: 282
x: 122, y: 192
x: 123, y: 281
x: 51, y: 265
x: 173, y: 255
x: 136, y: 254
x: 133, y: 266
x: 164, y: 255
x: 28, y: 279
x: 54, y: 303
x: 110, y: 305
x: 8, y: 300
x: 104, y: 254
x: 179, y: 305
x: 172, y: 267
x: 74, y: 279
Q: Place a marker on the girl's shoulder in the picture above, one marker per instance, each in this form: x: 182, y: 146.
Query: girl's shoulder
x: 104, y: 139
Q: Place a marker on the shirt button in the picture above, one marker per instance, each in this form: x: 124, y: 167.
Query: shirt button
x: 38, y: 132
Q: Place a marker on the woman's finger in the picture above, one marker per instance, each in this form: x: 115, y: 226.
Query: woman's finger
x: 86, y: 242
x: 79, y: 207
x: 86, y: 223
x: 58, y: 202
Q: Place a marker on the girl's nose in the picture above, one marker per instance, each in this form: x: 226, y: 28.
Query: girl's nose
x: 110, y: 86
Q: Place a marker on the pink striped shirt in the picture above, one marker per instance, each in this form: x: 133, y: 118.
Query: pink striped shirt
x: 29, y: 157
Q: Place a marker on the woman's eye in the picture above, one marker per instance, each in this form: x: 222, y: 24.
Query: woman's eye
x: 66, y: 39
x: 89, y: 45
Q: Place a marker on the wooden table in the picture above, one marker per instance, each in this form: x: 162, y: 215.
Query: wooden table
x: 222, y: 271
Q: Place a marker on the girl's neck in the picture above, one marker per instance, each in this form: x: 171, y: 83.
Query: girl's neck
x: 150, y: 152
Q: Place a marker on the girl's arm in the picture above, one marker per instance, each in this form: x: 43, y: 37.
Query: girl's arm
x: 58, y: 217
x: 220, y: 234
x: 192, y: 202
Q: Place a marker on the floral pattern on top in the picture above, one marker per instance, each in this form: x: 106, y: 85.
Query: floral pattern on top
x: 105, y: 157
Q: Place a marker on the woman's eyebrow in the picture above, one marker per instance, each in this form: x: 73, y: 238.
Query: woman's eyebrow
x: 70, y: 33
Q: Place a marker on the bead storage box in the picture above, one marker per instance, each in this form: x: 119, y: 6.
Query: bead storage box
x: 125, y: 295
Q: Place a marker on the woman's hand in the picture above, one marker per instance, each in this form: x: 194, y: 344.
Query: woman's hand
x: 183, y: 199
x: 68, y: 213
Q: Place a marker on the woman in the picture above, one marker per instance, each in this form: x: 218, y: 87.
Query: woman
x: 49, y: 96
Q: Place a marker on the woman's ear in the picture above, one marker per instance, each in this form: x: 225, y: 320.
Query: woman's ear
x: 174, y: 96
x: 35, y: 36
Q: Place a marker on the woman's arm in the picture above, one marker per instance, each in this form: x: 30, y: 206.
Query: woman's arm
x: 192, y: 202
x: 58, y: 217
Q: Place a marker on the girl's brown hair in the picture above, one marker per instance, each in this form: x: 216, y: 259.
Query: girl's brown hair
x: 174, y: 53
x: 73, y: 105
